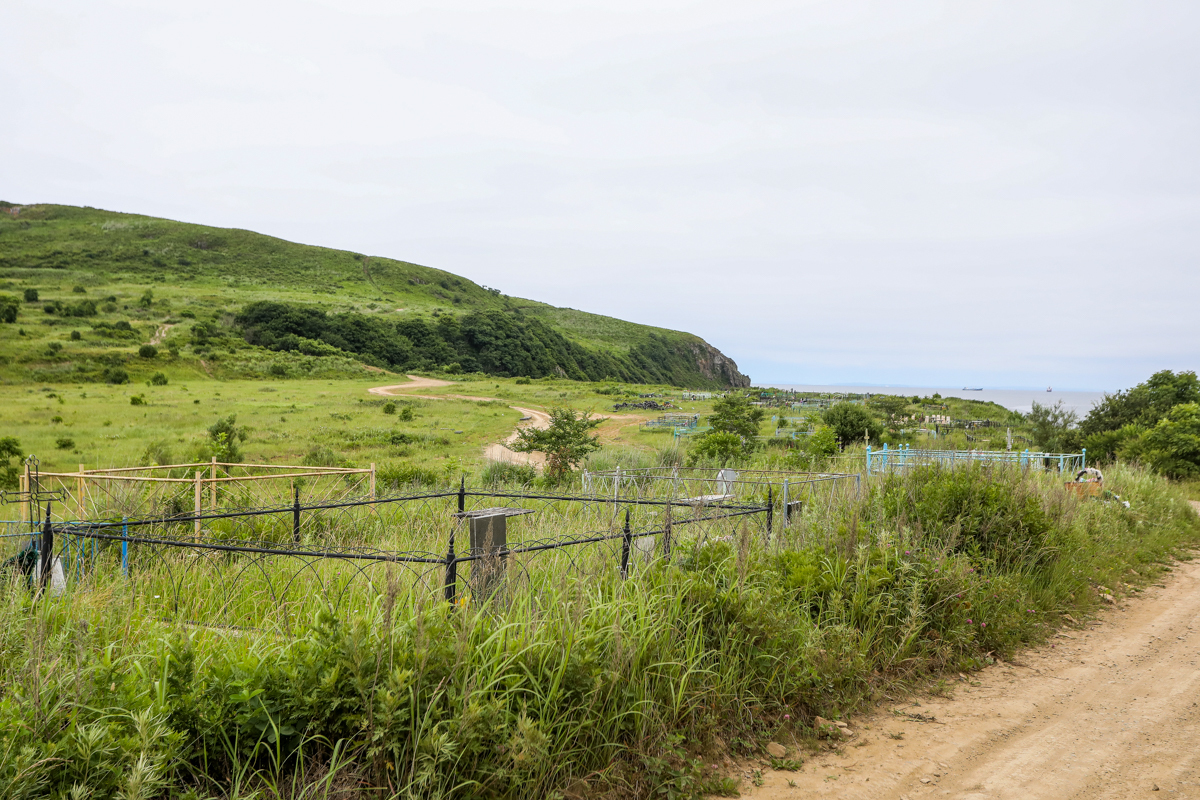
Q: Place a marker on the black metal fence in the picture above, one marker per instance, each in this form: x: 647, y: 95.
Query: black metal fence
x: 268, y: 567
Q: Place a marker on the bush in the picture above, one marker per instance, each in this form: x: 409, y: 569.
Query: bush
x: 76, y: 336
x: 389, y: 407
x: 147, y: 351
x: 77, y: 289
x: 31, y: 295
x: 10, y: 448
x: 522, y: 381
x: 850, y: 423
x: 137, y: 400
x: 158, y: 379
x: 9, y: 307
x: 277, y: 370
x: 322, y: 456
x: 406, y: 414
x: 64, y: 443
x: 115, y: 375
x: 226, y: 437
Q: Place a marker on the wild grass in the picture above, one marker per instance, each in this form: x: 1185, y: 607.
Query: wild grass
x: 574, y: 682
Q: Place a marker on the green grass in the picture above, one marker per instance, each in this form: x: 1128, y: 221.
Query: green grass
x: 579, y: 683
x: 200, y: 275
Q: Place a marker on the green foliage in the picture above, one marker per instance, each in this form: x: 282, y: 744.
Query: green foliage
x: 1172, y: 447
x: 31, y: 295
x: 734, y: 414
x: 398, y: 475
x: 406, y: 414
x: 322, y: 456
x: 1053, y: 428
x: 1144, y: 404
x: 147, y: 351
x: 147, y: 299
x: 10, y: 448
x: 9, y: 308
x: 226, y: 438
x: 891, y: 407
x: 76, y: 336
x: 389, y: 407
x: 720, y: 447
x: 565, y: 442
x: 115, y: 375
x: 137, y: 400
x: 850, y: 423
x: 64, y: 443
x: 158, y: 379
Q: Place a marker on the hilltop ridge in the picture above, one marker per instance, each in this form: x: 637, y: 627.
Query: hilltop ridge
x: 205, y: 291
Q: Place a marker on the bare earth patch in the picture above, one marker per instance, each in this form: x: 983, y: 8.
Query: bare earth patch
x: 1109, y: 710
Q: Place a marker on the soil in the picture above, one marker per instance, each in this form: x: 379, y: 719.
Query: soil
x: 1107, y: 710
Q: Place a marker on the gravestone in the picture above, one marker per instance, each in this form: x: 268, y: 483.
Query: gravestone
x: 725, y: 481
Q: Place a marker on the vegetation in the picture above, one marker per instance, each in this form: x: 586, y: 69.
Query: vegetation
x: 1156, y: 422
x: 578, y: 683
x: 566, y: 441
x: 852, y: 423
x: 235, y: 304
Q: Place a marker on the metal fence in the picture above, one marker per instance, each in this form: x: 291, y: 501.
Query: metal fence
x: 266, y: 568
x: 904, y: 457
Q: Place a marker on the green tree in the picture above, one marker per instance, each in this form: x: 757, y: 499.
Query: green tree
x: 891, y: 407
x: 565, y: 442
x: 31, y: 295
x: 734, y: 414
x: 1144, y: 404
x: 1172, y: 447
x: 850, y: 423
x: 1053, y: 427
x: 10, y: 448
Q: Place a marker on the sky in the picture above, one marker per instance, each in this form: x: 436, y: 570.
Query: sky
x: 1000, y: 194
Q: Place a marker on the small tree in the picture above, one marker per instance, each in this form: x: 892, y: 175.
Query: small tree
x: 565, y: 442
x: 1052, y: 427
x: 1173, y: 445
x: 31, y: 295
x: 226, y: 439
x: 851, y: 423
x: 9, y: 307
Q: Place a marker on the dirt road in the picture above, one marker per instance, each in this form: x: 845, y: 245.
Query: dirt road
x: 494, y: 452
x: 1108, y: 711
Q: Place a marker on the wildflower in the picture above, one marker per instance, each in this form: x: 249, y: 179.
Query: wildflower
x: 968, y: 622
x: 787, y: 716
x: 983, y: 624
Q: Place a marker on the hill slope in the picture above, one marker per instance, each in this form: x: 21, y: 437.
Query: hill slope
x: 220, y: 292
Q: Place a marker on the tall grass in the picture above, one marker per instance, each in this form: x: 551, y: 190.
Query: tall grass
x: 576, y: 682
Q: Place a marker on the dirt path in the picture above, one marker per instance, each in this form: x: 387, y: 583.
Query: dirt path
x: 531, y: 418
x: 1108, y: 711
x: 161, y: 333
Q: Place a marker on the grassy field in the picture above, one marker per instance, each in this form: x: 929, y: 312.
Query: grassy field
x: 579, y: 684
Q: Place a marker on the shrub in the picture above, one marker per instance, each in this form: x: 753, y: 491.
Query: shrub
x: 406, y: 414
x: 137, y: 400
x: 10, y: 448
x: 9, y: 307
x: 851, y: 422
x: 64, y: 443
x: 156, y: 454
x: 77, y: 289
x: 31, y: 295
x: 565, y: 442
x: 522, y: 381
x: 146, y: 299
x: 158, y: 379
x: 322, y: 456
x: 389, y: 407
x: 76, y: 336
x: 226, y: 437
x: 147, y: 351
x: 115, y: 375
x: 277, y: 370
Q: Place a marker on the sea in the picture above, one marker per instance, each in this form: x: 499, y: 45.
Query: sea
x: 1013, y: 399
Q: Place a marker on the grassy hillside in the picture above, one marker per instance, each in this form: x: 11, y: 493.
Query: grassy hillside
x: 123, y: 280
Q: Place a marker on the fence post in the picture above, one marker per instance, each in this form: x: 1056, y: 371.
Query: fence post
x: 462, y: 494
x: 868, y: 459
x: 451, y: 587
x: 296, y: 516
x: 79, y: 491
x: 787, y: 511
x: 1083, y: 459
x: 626, y: 541
x: 47, y: 551
x: 372, y: 483
x: 212, y: 485
x: 770, y: 510
x: 198, y: 492
x: 667, y: 534
x: 125, y: 546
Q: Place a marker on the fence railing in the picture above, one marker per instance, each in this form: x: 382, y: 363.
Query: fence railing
x: 904, y: 457
x: 267, y: 567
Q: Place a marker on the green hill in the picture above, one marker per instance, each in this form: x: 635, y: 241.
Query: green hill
x: 91, y: 287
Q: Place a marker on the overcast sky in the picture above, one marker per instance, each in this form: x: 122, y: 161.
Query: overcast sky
x: 915, y: 193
